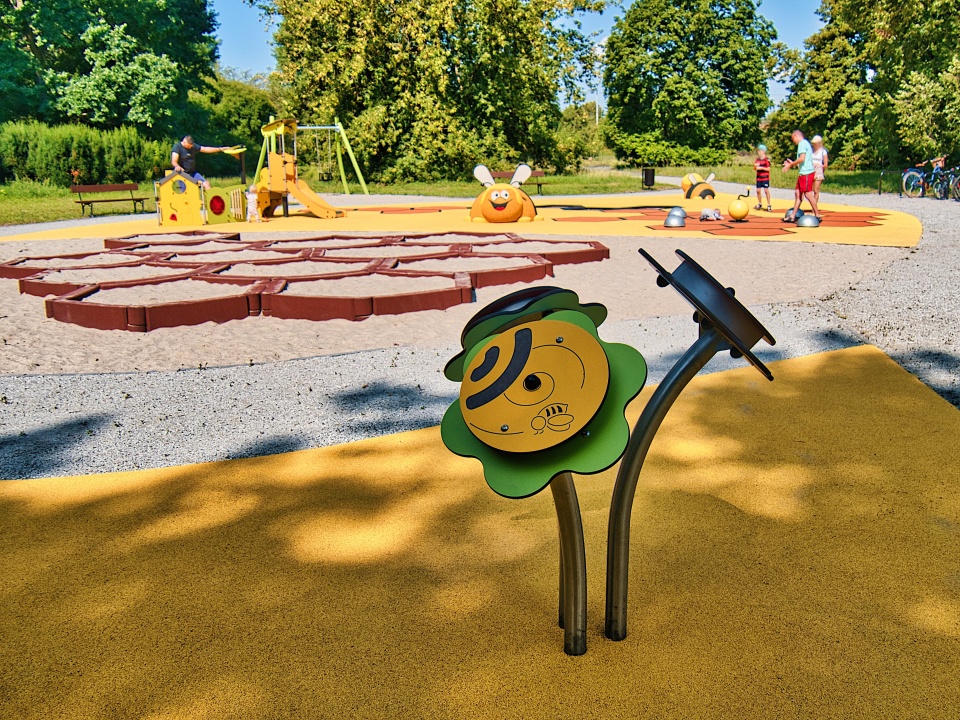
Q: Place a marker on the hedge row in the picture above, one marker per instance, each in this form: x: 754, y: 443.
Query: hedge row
x: 66, y: 154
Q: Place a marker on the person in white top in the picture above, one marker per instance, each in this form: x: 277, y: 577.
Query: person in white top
x: 820, y: 162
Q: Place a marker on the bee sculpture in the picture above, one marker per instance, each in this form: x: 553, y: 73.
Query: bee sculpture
x: 695, y: 186
x: 540, y: 392
x: 502, y: 202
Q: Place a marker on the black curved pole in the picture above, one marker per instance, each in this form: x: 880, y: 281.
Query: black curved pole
x: 573, y: 578
x: 621, y: 504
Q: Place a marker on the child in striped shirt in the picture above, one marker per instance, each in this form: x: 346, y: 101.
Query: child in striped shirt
x: 762, y: 166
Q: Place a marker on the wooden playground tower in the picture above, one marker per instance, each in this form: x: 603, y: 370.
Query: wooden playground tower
x: 277, y: 176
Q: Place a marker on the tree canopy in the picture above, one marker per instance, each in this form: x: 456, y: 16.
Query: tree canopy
x: 879, y: 81
x: 687, y: 79
x: 829, y: 95
x: 428, y: 89
x: 104, y: 62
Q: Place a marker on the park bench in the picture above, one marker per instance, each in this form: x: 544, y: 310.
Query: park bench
x: 94, y: 189
x: 535, y: 179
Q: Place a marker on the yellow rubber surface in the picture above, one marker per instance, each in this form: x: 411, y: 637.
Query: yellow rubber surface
x: 795, y: 555
x: 606, y: 216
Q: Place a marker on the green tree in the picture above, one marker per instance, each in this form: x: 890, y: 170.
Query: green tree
x: 125, y: 83
x: 829, y: 95
x: 686, y: 79
x: 67, y: 52
x: 228, y: 111
x: 429, y: 89
x: 577, y: 137
x: 908, y: 46
x: 928, y: 112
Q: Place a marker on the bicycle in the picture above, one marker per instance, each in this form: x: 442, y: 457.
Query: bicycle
x: 915, y: 183
x: 953, y: 186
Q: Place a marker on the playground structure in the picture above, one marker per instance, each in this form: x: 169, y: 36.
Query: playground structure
x: 695, y: 186
x: 738, y: 210
x: 277, y: 175
x: 181, y: 200
x: 542, y: 397
x: 502, y: 202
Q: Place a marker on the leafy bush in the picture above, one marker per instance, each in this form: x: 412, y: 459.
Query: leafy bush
x: 65, y: 154
x: 651, y: 149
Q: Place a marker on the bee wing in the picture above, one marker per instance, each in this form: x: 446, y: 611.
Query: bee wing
x: 482, y: 174
x: 710, y: 178
x: 520, y: 175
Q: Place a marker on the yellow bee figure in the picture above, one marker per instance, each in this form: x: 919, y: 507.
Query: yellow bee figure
x: 502, y: 202
x: 534, y: 386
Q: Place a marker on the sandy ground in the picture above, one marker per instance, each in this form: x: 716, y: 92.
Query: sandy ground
x: 762, y: 273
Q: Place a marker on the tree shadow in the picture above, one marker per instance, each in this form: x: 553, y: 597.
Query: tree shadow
x: 382, y: 407
x: 43, y: 452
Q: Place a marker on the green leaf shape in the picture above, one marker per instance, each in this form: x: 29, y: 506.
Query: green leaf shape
x: 596, y: 448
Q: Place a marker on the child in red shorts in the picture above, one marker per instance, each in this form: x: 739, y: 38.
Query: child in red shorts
x: 762, y: 166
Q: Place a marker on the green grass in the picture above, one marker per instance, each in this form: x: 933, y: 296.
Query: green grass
x: 23, y: 202
x: 585, y: 183
x: 844, y: 182
x: 27, y: 201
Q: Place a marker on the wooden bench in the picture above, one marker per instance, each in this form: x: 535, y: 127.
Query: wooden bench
x: 93, y: 189
x: 534, y: 179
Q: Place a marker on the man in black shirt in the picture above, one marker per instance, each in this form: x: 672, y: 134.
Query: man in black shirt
x: 184, y: 158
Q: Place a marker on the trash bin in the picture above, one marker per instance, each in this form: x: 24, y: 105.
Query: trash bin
x: 648, y: 177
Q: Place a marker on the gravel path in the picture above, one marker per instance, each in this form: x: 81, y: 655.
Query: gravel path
x: 73, y: 424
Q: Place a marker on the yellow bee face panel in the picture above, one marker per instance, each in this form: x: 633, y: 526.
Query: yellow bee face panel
x: 502, y: 203
x: 534, y: 386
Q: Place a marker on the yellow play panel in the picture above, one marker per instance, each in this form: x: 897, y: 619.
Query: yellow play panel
x: 795, y: 555
x: 636, y: 216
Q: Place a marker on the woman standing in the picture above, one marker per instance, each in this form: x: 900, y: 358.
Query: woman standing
x: 820, y: 162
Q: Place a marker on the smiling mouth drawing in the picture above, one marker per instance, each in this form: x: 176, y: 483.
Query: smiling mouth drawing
x: 497, y: 206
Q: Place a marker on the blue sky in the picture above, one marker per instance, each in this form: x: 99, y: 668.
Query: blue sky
x: 245, y: 38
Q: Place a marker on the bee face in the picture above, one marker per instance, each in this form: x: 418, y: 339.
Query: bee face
x: 534, y: 386
x: 501, y: 203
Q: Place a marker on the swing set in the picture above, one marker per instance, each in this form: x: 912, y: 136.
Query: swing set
x: 330, y: 154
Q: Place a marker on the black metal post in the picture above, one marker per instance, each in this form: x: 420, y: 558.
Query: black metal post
x: 573, y: 576
x: 621, y: 504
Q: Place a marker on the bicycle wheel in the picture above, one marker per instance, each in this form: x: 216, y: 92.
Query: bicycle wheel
x: 912, y: 183
x: 955, y: 187
x: 939, y: 187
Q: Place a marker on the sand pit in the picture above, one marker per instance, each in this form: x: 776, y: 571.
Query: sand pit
x: 211, y: 246
x: 301, y: 267
x: 466, y: 264
x: 90, y: 276
x: 225, y: 256
x: 167, y: 292
x: 396, y: 250
x: 321, y: 243
x: 369, y: 286
x: 94, y: 259
x: 201, y: 239
x: 531, y: 246
x: 761, y: 272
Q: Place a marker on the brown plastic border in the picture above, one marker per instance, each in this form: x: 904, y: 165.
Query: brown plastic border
x: 74, y: 308
x: 328, y: 307
x: 267, y: 296
x: 195, y: 237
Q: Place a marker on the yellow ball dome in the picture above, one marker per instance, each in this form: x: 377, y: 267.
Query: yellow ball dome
x: 738, y: 209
